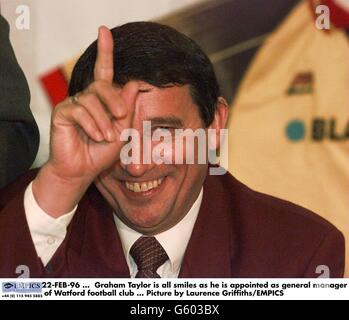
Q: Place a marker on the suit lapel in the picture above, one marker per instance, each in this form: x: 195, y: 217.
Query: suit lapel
x: 94, y: 242
x: 94, y: 247
x: 211, y: 249
x: 18, y: 244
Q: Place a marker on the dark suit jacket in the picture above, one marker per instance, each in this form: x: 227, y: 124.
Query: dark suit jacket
x: 19, y: 135
x: 238, y: 233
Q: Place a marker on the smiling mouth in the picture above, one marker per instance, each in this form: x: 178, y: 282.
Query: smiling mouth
x: 143, y: 186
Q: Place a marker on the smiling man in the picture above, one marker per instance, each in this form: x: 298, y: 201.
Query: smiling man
x: 88, y: 212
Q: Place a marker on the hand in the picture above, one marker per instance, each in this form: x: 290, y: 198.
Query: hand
x: 85, y: 134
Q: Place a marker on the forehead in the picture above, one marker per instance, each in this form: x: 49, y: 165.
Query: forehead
x: 169, y: 101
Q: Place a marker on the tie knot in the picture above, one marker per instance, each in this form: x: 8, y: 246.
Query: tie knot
x: 149, y: 255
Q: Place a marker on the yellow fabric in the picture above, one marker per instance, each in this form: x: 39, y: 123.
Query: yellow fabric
x: 311, y: 173
x: 68, y: 67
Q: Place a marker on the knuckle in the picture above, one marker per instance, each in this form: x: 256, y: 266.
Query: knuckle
x: 64, y: 103
x: 119, y: 107
x: 78, y: 111
x: 89, y: 98
x: 60, y: 108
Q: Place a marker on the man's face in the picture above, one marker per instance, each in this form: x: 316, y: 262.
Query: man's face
x: 172, y: 188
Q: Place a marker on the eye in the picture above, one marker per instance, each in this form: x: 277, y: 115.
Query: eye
x: 164, y: 127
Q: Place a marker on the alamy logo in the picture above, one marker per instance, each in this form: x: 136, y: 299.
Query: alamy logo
x: 322, y: 21
x: 175, y: 146
x: 23, y: 17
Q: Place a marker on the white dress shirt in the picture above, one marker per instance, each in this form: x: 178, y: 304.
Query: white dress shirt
x: 174, y: 241
x: 48, y: 233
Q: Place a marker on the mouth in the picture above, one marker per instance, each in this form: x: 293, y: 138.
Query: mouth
x: 144, y: 188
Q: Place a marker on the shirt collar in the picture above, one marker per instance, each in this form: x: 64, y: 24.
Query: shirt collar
x: 174, y: 240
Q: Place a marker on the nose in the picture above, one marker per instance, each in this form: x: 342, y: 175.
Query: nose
x: 136, y: 170
x: 137, y: 160
x: 140, y: 164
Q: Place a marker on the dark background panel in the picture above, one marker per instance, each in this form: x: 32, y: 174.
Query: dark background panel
x: 230, y: 32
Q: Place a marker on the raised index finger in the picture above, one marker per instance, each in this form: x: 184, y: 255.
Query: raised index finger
x: 104, y: 66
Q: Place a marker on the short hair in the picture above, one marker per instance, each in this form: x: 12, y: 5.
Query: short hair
x: 159, y: 55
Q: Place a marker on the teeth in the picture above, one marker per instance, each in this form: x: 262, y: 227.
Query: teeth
x: 143, y: 186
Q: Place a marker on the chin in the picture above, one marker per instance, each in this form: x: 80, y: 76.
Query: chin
x: 145, y: 221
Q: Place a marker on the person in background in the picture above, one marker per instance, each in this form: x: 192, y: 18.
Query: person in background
x: 19, y: 134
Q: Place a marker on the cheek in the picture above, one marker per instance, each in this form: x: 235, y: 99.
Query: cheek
x: 192, y: 178
x: 163, y: 152
x: 108, y: 189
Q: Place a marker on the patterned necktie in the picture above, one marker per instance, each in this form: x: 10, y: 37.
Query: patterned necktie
x: 149, y: 255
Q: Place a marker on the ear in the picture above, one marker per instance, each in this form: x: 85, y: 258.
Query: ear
x: 219, y: 123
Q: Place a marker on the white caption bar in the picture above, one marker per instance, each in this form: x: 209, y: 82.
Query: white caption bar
x: 173, y: 289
